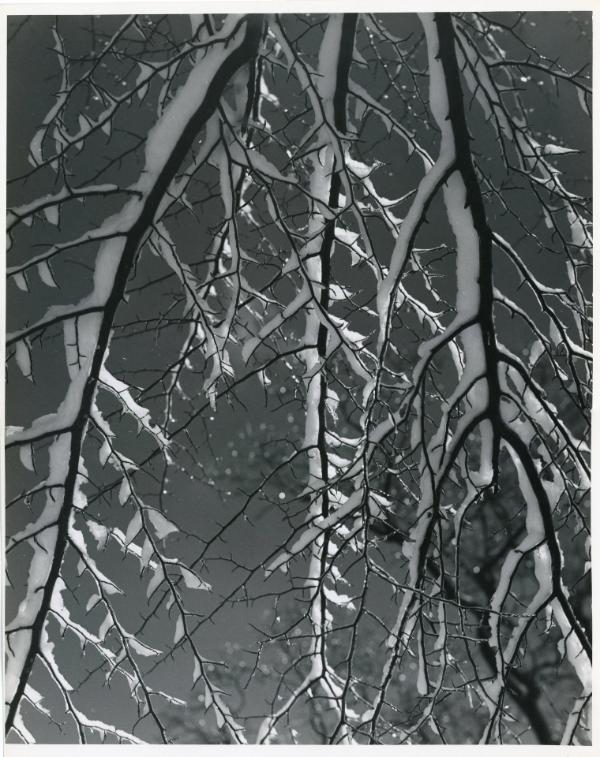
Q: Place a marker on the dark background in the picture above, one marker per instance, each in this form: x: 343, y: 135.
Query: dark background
x: 245, y: 436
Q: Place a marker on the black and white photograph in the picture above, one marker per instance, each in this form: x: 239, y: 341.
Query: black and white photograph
x: 298, y: 378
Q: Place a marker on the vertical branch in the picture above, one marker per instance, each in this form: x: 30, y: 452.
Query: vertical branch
x: 539, y: 524
x: 335, y: 56
x: 340, y: 35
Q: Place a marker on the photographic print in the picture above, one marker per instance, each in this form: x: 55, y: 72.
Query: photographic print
x: 298, y: 378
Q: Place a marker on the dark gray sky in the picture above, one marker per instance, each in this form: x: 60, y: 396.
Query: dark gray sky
x: 238, y: 434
